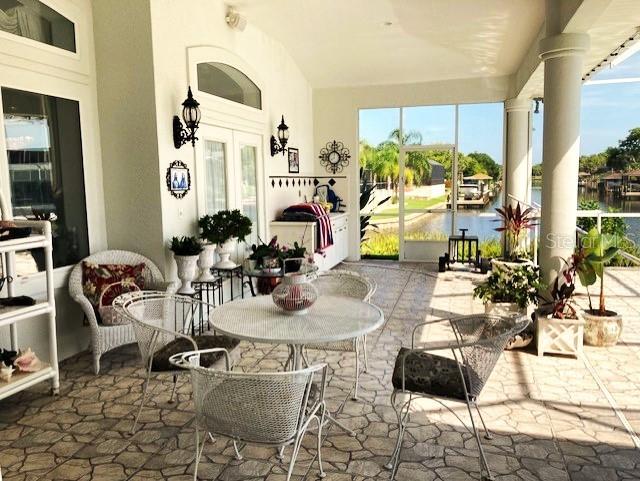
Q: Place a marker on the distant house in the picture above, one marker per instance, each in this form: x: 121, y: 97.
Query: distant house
x: 631, y: 183
x: 437, y: 173
x: 611, y: 182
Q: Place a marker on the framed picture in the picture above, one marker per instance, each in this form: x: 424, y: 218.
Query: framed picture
x: 294, y: 161
x: 178, y: 179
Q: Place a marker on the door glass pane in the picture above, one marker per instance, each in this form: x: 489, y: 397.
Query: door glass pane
x: 480, y: 173
x: 35, y: 20
x: 429, y: 125
x: 216, y: 176
x: 44, y: 149
x: 249, y: 198
x: 379, y: 213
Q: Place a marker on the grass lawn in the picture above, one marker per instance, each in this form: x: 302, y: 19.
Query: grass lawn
x: 410, y: 203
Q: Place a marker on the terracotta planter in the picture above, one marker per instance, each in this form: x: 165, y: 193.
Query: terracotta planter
x: 602, y: 331
x: 508, y: 309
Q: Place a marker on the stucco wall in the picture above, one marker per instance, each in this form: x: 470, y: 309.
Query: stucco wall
x: 284, y: 91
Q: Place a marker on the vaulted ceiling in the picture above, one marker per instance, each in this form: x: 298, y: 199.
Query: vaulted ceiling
x: 371, y: 42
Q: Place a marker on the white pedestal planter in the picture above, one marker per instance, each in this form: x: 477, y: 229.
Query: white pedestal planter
x: 508, y: 309
x: 224, y: 251
x: 205, y: 262
x: 187, y: 270
x: 559, y: 336
x: 602, y: 331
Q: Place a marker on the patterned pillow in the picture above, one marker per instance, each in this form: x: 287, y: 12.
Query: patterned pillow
x: 97, y: 277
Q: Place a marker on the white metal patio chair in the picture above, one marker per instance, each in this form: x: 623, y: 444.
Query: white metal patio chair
x: 164, y: 325
x: 348, y: 284
x: 478, y: 344
x: 272, y: 409
x: 105, y: 338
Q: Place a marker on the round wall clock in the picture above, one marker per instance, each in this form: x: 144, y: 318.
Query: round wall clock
x: 334, y: 156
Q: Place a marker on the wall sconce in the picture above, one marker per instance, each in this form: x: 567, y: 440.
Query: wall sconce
x: 191, y: 117
x: 538, y: 101
x: 283, y: 137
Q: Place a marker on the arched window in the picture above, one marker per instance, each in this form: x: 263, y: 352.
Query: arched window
x: 229, y: 83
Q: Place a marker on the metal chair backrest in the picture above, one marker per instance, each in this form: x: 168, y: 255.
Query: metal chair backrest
x: 482, y: 339
x: 344, y: 283
x: 158, y: 318
x: 266, y: 408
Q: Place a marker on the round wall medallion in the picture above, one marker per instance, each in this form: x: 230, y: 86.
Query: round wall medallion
x: 334, y: 157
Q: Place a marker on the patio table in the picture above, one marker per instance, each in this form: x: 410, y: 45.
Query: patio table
x: 330, y: 319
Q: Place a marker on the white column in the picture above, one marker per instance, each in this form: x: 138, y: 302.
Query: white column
x: 563, y: 64
x: 517, y: 167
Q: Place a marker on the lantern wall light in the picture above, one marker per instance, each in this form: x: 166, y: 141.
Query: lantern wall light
x: 191, y: 117
x: 279, y: 144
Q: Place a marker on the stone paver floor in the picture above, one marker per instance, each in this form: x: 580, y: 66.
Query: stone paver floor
x: 554, y: 418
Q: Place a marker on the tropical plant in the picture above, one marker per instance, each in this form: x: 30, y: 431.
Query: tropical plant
x: 598, y: 249
x: 274, y: 250
x: 223, y: 225
x: 515, y: 223
x: 185, y: 246
x: 368, y: 203
x: 519, y: 286
x: 559, y: 301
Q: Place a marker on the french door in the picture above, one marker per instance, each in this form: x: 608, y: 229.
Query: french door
x: 228, y: 173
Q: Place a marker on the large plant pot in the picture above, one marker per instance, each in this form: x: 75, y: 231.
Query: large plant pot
x: 508, y: 309
x: 600, y: 330
x: 500, y: 265
x: 559, y: 336
x: 224, y: 251
x: 187, y: 270
x: 205, y: 262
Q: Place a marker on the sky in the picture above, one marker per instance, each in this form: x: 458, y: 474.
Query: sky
x: 608, y: 113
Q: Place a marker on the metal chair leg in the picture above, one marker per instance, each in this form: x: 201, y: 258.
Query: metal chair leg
x: 484, y: 466
x: 355, y: 391
x: 173, y: 391
x: 294, y: 455
x: 199, y: 450
x: 142, y: 400
x: 392, y: 464
x: 366, y: 356
x: 487, y: 433
x: 237, y: 450
x: 319, y: 441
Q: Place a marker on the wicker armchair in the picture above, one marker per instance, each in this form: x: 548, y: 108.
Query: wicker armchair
x: 348, y: 284
x: 166, y: 324
x: 273, y: 409
x: 478, y: 344
x: 105, y: 338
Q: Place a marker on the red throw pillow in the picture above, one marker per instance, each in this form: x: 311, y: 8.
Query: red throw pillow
x: 97, y: 277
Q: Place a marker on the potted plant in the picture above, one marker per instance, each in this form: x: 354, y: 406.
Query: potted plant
x: 296, y: 252
x: 602, y: 326
x: 515, y: 224
x: 186, y: 251
x: 223, y: 229
x: 559, y: 324
x: 511, y: 292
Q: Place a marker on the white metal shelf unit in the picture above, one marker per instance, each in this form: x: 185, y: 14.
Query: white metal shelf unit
x: 11, y: 316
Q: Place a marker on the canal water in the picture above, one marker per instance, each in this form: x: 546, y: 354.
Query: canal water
x: 483, y: 222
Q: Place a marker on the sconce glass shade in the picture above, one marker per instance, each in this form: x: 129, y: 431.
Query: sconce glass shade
x: 191, y: 112
x: 283, y: 132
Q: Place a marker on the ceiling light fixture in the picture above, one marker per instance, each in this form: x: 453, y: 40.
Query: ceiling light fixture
x: 625, y: 50
x: 235, y: 20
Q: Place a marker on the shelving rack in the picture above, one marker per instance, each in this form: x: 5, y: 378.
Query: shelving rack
x: 12, y: 316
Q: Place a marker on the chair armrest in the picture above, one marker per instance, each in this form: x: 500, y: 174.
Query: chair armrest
x: 182, y: 359
x: 421, y: 325
x: 87, y: 310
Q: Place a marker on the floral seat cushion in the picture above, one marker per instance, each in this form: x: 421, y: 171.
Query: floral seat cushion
x: 161, y: 362
x: 429, y: 374
x: 96, y: 278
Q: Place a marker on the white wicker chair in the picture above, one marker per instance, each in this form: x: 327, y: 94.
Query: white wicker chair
x: 164, y: 325
x: 105, y: 338
x: 347, y: 284
x: 272, y: 409
x: 478, y: 343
